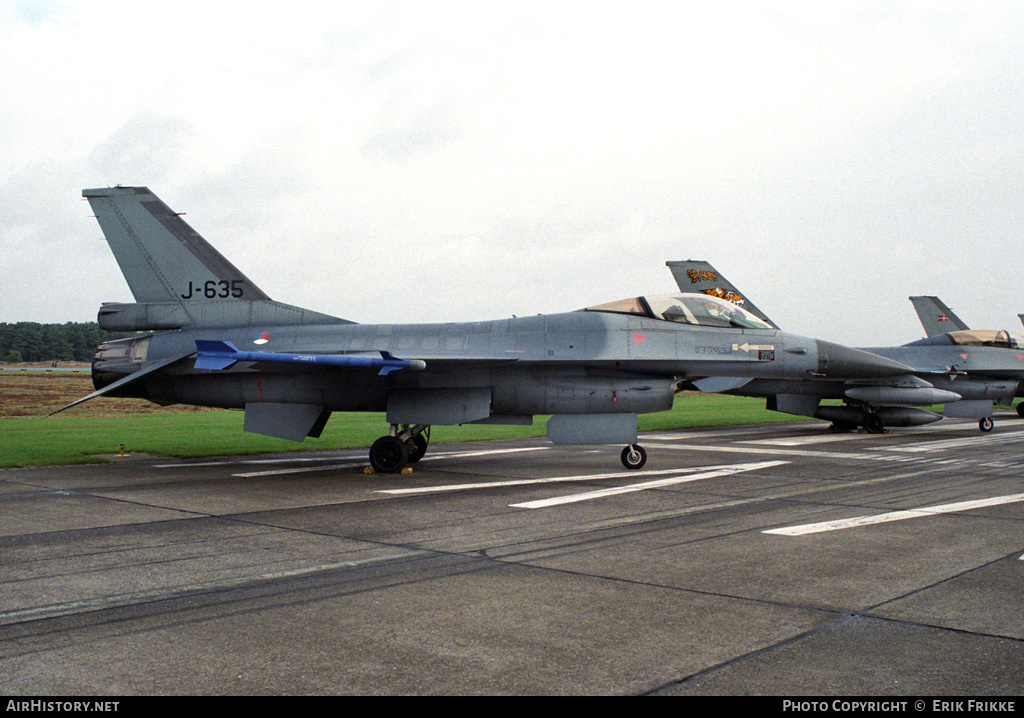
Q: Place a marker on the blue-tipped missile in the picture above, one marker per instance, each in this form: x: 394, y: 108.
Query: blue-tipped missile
x: 217, y: 355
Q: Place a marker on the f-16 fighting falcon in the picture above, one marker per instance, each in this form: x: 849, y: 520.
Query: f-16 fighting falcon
x: 967, y: 371
x: 219, y: 341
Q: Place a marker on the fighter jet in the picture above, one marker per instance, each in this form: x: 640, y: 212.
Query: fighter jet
x: 967, y: 371
x: 219, y: 341
x: 939, y: 321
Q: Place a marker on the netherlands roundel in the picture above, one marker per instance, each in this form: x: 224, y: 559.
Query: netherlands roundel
x: 261, y: 338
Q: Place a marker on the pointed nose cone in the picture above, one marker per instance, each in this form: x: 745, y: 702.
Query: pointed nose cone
x: 838, y: 362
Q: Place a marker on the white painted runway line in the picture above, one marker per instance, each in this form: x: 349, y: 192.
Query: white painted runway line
x: 680, y: 476
x: 769, y: 451
x: 858, y: 521
x: 670, y: 481
x: 829, y: 438
x: 529, y: 482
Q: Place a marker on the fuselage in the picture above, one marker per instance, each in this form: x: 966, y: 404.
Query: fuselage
x: 575, y: 362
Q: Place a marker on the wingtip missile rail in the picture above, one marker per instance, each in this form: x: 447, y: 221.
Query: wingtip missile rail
x: 218, y: 355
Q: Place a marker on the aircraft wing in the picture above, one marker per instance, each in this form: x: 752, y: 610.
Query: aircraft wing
x: 696, y: 276
x: 936, y: 317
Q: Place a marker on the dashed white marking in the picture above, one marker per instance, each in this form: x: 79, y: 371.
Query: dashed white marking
x: 615, y: 491
x: 530, y: 482
x: 857, y: 521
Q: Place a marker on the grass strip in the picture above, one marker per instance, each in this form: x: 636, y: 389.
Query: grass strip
x: 68, y: 439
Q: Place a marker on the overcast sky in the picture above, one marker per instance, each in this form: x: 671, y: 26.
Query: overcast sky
x: 447, y: 161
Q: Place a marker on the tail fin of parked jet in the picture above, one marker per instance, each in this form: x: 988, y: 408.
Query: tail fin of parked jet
x: 177, y: 278
x: 696, y: 276
x: 936, y: 317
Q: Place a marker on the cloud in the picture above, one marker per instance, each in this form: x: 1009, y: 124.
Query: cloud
x: 447, y: 161
x: 147, y: 146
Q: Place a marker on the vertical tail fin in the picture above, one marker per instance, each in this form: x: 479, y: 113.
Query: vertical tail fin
x: 160, y: 255
x: 698, y: 277
x: 936, y: 317
x: 177, y: 278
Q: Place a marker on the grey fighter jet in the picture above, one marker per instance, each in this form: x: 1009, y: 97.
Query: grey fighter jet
x: 220, y: 341
x: 967, y: 371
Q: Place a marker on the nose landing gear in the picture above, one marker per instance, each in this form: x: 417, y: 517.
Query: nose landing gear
x: 634, y: 456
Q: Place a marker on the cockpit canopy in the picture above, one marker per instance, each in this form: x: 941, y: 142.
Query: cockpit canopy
x: 987, y: 338
x: 977, y: 338
x: 700, y: 309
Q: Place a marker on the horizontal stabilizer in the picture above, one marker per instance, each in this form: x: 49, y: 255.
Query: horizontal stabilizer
x: 217, y: 355
x: 123, y: 381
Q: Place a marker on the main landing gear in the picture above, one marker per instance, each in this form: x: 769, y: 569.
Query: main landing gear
x: 404, y: 445
x: 873, y: 423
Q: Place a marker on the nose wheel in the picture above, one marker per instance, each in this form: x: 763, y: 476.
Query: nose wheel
x: 634, y: 456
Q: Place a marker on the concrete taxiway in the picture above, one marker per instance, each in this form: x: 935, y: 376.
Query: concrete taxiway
x: 777, y: 559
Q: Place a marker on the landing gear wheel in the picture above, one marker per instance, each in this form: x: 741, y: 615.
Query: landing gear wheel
x: 873, y: 424
x: 634, y: 456
x: 842, y: 426
x: 388, y: 455
x: 416, y: 447
x: 1020, y: 410
x: 986, y: 423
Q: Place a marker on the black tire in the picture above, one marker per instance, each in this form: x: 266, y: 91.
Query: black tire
x: 388, y: 455
x: 634, y: 456
x: 842, y: 426
x: 1020, y: 410
x: 986, y: 423
x: 874, y: 424
x: 417, y: 447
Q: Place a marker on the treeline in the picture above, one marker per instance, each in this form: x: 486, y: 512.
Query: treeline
x: 71, y: 341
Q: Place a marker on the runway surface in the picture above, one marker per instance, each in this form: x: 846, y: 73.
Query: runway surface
x: 777, y: 559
